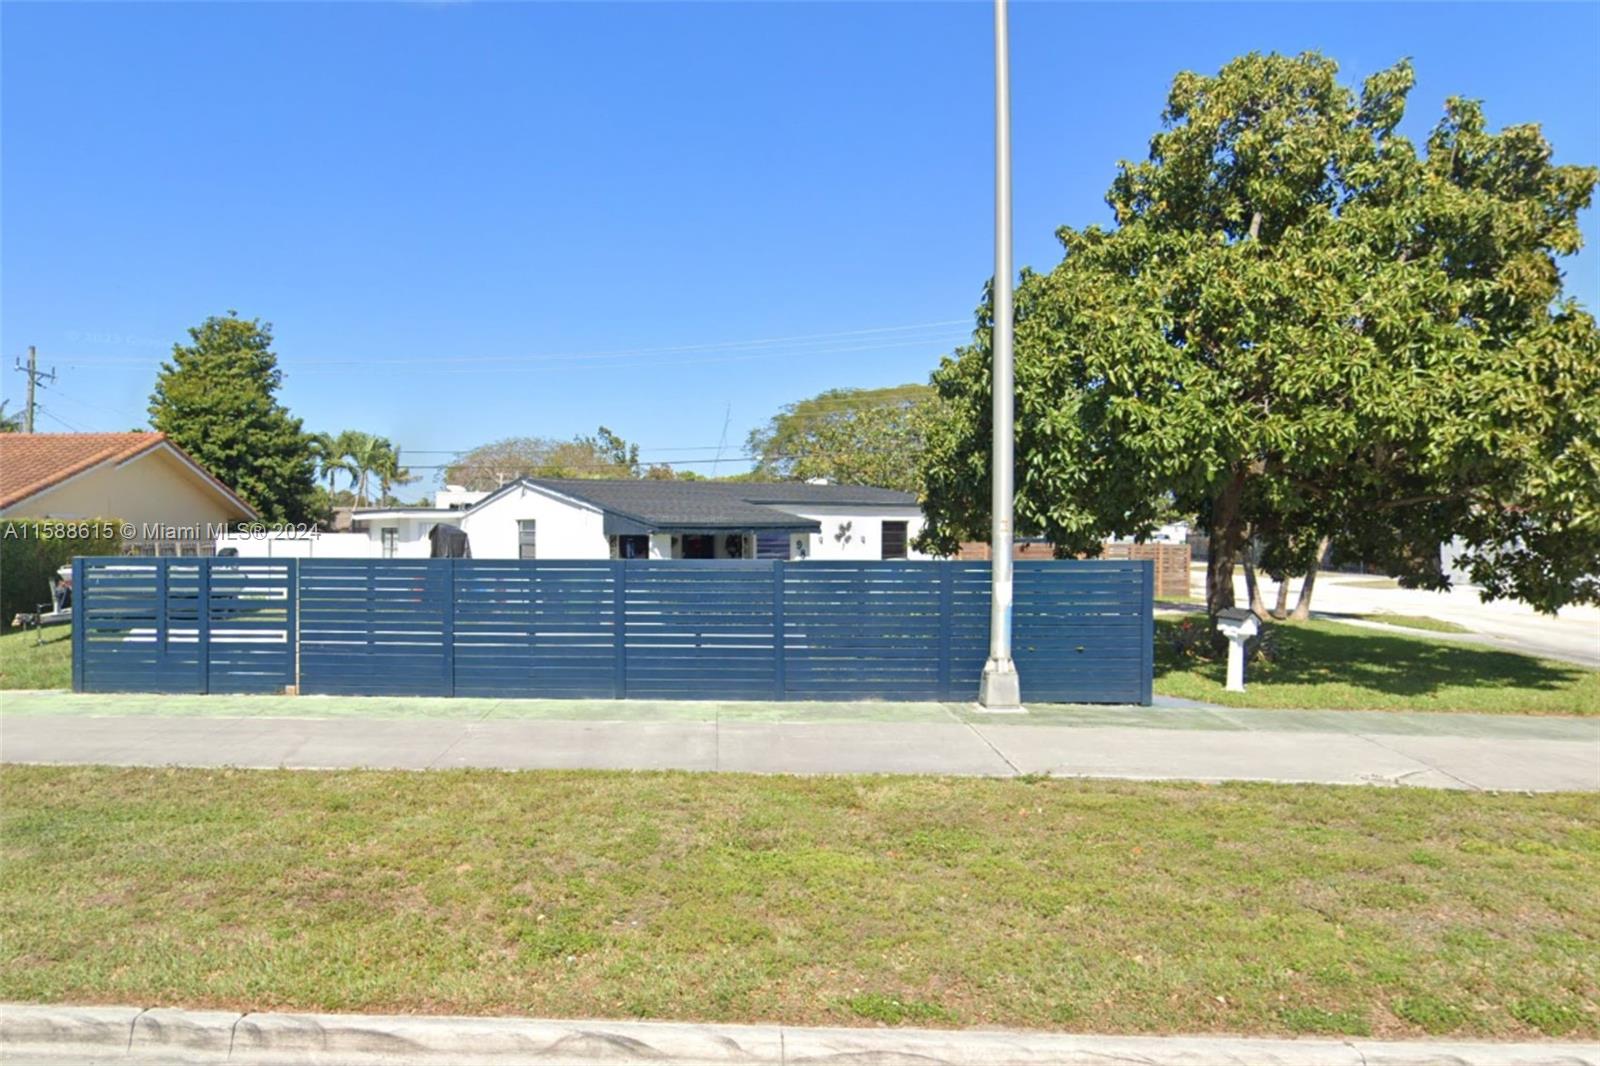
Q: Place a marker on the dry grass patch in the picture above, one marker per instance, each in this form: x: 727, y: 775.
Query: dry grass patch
x: 1111, y: 907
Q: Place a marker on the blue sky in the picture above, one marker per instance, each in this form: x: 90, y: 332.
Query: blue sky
x: 470, y: 221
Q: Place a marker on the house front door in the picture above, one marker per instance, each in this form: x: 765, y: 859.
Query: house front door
x: 699, y: 546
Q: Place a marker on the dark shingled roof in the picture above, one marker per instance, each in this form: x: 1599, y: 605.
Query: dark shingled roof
x: 693, y: 505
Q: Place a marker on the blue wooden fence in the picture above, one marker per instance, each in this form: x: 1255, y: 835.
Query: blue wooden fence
x: 753, y: 629
x: 183, y: 625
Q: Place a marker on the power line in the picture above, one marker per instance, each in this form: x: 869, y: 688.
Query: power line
x: 774, y: 347
x: 839, y: 403
x: 567, y: 364
x: 57, y: 418
x: 595, y: 464
x: 767, y: 342
x: 119, y: 412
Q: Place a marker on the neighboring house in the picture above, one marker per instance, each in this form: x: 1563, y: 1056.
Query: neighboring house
x: 173, y: 506
x: 551, y: 518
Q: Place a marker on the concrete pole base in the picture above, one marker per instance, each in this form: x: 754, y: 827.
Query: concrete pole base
x: 1000, y: 690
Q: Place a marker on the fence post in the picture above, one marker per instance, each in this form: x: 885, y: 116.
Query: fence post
x: 946, y: 601
x: 619, y: 629
x: 80, y: 621
x: 780, y: 650
x: 292, y: 622
x: 1147, y: 658
x: 447, y: 631
x: 162, y: 568
x: 202, y: 620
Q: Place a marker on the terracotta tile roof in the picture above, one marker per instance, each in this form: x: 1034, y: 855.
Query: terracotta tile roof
x: 33, y: 462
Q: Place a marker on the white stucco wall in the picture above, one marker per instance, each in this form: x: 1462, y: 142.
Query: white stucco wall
x: 411, y: 536
x: 863, y: 539
x: 566, y: 529
x: 570, y: 529
x: 457, y: 498
x: 291, y: 546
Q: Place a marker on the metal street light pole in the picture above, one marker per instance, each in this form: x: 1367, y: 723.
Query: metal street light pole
x: 999, y: 690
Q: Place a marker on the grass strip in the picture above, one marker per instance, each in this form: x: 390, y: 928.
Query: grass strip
x: 1092, y: 906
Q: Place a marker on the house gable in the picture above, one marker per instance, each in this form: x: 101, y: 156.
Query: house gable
x: 565, y: 528
x: 136, y: 477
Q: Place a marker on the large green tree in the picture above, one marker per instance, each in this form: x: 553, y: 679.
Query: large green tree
x: 217, y: 400
x: 488, y: 466
x: 850, y: 436
x: 1303, y: 327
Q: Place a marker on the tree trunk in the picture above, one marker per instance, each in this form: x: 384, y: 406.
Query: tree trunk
x: 1281, y: 609
x: 1252, y: 586
x: 1302, y: 608
x: 1227, y: 532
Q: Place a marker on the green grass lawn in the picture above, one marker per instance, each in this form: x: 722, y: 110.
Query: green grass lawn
x: 25, y: 663
x: 1104, y: 907
x: 1415, y: 621
x: 1329, y: 666
x: 1372, y: 583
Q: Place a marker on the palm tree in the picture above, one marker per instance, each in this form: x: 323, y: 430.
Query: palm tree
x: 365, y: 454
x: 391, y: 472
x: 332, y: 455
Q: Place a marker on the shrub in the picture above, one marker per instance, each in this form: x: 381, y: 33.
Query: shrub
x: 31, y: 550
x: 1196, y: 638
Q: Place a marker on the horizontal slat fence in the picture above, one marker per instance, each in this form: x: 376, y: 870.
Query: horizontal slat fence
x: 723, y: 629
x: 545, y: 629
x: 183, y: 625
x: 376, y: 627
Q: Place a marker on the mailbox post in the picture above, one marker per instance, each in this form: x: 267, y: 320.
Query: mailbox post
x: 1238, y: 626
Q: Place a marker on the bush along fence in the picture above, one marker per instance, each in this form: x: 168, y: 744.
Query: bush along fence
x: 32, y: 550
x: 762, y: 630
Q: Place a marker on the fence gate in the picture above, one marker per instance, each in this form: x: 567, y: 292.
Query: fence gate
x: 721, y: 630
x: 183, y: 625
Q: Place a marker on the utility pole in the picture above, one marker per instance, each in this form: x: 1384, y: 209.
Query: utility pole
x: 1000, y: 690
x: 34, y: 379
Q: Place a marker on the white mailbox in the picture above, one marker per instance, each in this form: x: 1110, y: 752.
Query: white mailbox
x: 1238, y: 626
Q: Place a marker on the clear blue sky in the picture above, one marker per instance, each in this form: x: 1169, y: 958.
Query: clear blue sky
x: 469, y: 221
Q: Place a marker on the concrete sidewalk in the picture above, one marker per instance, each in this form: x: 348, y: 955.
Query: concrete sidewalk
x: 1201, y: 744
x: 50, y: 1034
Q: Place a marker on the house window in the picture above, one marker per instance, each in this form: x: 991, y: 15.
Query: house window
x: 633, y: 546
x: 772, y: 545
x: 390, y: 536
x: 527, y: 539
x: 699, y: 546
x: 894, y: 540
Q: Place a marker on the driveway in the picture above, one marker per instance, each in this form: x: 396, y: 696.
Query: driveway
x: 1571, y: 636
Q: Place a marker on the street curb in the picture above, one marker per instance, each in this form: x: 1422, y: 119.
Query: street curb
x: 46, y: 1034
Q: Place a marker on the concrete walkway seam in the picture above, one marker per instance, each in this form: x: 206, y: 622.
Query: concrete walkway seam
x: 49, y: 1034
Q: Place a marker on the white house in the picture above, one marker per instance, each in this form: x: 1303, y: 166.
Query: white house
x: 551, y: 518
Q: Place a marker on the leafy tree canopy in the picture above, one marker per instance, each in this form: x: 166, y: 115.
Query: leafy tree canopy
x: 849, y: 436
x: 1304, y: 326
x: 217, y: 400
x: 603, y: 455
